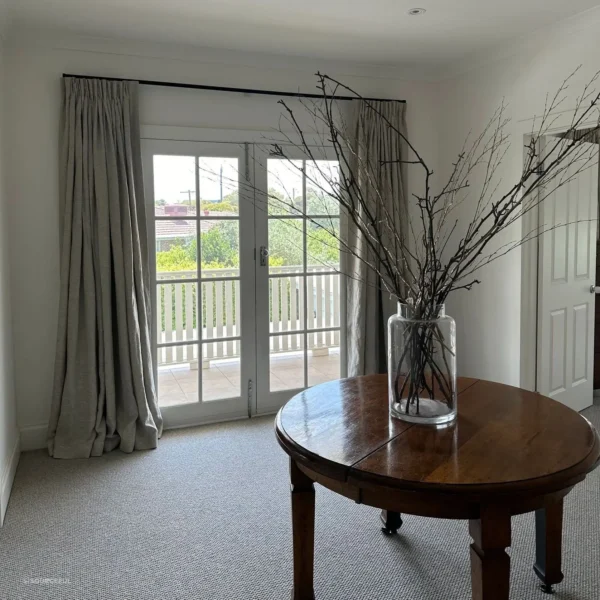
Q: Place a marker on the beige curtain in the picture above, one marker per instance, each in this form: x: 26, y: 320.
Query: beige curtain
x: 368, y: 306
x: 104, y: 395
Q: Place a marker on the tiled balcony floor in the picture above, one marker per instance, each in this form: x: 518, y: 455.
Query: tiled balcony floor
x: 178, y: 384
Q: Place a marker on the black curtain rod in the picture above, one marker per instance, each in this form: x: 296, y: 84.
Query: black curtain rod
x: 217, y: 88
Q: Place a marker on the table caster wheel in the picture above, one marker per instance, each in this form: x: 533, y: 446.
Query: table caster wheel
x: 391, y: 522
x: 546, y: 588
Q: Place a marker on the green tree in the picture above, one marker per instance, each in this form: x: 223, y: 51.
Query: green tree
x: 232, y: 198
x: 176, y: 258
x: 322, y: 246
x: 220, y: 246
x: 281, y: 204
x: 320, y: 203
x: 285, y: 241
x: 219, y: 206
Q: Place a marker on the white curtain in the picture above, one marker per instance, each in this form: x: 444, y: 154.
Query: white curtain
x: 104, y: 395
x: 376, y: 147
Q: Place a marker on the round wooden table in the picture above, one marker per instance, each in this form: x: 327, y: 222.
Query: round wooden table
x: 509, y: 452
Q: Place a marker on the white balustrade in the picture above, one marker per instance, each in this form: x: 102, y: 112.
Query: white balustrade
x: 217, y: 310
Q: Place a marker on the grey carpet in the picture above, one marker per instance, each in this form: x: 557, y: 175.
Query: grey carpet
x: 206, y: 517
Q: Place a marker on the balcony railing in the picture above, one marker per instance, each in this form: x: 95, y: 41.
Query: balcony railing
x: 217, y: 312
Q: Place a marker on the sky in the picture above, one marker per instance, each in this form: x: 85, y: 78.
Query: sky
x: 174, y: 179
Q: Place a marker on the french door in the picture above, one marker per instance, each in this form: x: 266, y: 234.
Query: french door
x: 247, y: 298
x: 299, y: 339
x: 566, y: 283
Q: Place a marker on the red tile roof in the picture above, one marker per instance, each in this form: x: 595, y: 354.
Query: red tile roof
x: 185, y: 228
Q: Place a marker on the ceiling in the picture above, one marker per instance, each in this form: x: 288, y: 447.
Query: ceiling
x: 366, y: 31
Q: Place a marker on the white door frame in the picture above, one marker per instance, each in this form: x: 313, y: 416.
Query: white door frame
x: 186, y: 415
x: 153, y: 135
x: 530, y: 280
x: 271, y: 401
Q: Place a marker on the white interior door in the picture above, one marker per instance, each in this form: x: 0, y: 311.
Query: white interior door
x: 567, y: 266
x: 300, y: 292
x: 201, y: 239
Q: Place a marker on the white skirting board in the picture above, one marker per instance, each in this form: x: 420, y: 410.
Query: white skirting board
x: 8, y: 476
x: 34, y: 438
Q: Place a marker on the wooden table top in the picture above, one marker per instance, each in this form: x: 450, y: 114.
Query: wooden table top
x: 504, y: 439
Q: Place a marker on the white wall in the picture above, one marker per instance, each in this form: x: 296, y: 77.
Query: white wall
x: 9, y: 438
x: 488, y: 318
x: 36, y: 64
x: 439, y: 116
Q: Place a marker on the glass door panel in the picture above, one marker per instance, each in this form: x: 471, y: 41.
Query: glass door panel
x: 221, y: 374
x: 248, y: 299
x: 301, y: 285
x: 174, y: 185
x: 287, y: 362
x: 202, y: 265
x: 177, y: 379
x: 285, y: 182
x: 219, y: 186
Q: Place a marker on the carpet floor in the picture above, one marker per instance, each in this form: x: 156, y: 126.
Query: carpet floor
x: 207, y: 517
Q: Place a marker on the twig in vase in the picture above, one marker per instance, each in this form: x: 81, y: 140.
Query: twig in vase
x: 416, y: 248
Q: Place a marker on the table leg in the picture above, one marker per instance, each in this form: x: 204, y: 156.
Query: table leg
x: 303, y: 528
x: 548, y: 545
x: 392, y: 521
x: 490, y: 564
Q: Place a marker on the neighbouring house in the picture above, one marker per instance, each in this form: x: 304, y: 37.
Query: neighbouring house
x: 180, y: 231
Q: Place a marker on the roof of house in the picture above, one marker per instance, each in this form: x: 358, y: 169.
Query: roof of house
x: 185, y: 228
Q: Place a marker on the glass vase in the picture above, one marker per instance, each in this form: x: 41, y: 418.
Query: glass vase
x: 422, y: 365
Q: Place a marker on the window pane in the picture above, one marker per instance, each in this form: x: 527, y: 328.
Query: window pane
x: 221, y: 314
x: 220, y: 376
x: 323, y: 301
x: 322, y: 244
x: 176, y: 249
x: 177, y: 375
x: 322, y: 181
x: 324, y: 361
x: 174, y: 185
x: 220, y: 248
x: 286, y: 303
x: 219, y: 186
x: 286, y: 362
x: 284, y: 182
x: 285, y: 244
x: 176, y: 312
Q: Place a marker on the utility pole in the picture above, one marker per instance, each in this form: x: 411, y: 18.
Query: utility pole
x: 221, y: 180
x: 189, y: 193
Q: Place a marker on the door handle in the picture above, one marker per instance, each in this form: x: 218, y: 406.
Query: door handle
x: 264, y: 256
x: 594, y: 289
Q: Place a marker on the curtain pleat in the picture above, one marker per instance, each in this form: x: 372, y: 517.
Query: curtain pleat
x: 382, y: 184
x: 104, y: 395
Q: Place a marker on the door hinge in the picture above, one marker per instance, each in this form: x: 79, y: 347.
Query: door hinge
x: 250, y: 394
